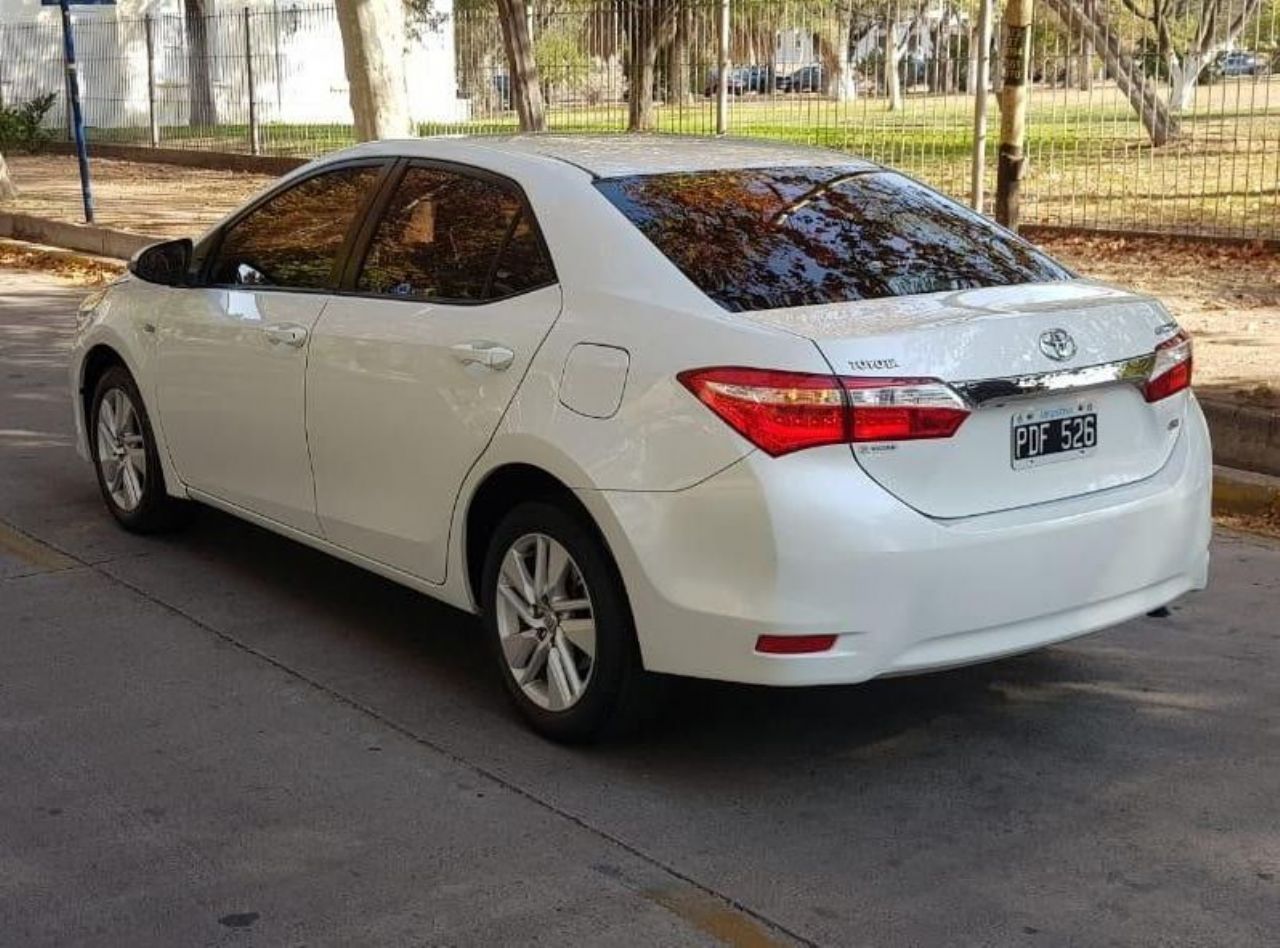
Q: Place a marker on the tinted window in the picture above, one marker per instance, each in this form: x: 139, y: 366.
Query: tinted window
x: 771, y: 238
x: 448, y: 236
x: 294, y: 238
x: 522, y: 264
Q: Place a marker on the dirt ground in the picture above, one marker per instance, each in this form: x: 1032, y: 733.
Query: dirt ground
x: 1228, y: 296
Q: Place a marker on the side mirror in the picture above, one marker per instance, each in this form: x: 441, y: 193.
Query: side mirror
x: 165, y: 263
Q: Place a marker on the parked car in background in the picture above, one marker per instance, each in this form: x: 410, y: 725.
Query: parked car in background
x: 1236, y: 65
x: 803, y: 421
x: 742, y: 80
x: 1240, y: 63
x: 804, y: 79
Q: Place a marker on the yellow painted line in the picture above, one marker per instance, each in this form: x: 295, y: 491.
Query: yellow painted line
x: 713, y: 917
x: 31, y: 551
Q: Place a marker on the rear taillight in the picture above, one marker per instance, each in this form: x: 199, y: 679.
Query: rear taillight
x: 1172, y: 370
x: 902, y: 409
x: 781, y: 412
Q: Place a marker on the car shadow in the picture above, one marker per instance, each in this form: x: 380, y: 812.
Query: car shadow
x: 393, y: 631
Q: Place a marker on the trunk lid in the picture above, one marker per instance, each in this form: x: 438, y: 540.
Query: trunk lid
x: 987, y: 344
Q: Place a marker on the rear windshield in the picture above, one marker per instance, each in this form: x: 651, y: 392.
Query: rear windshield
x: 768, y: 238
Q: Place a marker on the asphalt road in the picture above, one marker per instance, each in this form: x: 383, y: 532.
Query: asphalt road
x: 223, y: 737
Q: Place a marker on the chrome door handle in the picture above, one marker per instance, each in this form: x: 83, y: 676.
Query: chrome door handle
x: 489, y: 354
x: 288, y: 334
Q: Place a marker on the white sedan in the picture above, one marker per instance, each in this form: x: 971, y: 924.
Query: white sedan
x: 661, y: 405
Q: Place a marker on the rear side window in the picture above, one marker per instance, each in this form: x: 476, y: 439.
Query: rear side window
x: 452, y: 237
x: 293, y: 239
x: 769, y: 238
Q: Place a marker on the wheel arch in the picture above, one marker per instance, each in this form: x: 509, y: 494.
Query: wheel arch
x: 101, y: 351
x: 100, y: 357
x: 500, y: 491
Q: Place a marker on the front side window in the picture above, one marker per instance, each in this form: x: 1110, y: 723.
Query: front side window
x: 772, y: 238
x: 293, y: 240
x: 451, y: 237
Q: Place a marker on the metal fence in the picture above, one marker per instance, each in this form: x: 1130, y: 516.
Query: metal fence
x: 1145, y: 115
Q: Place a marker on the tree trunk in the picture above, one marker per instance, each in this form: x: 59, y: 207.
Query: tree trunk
x: 837, y: 78
x: 199, y: 81
x: 1084, y: 79
x: 8, y: 190
x: 892, y: 78
x: 526, y: 88
x: 652, y: 23
x: 1209, y: 41
x: 679, y: 69
x: 1184, y: 74
x: 642, y: 62
x: 1162, y: 127
x: 1086, y: 55
x: 373, y: 43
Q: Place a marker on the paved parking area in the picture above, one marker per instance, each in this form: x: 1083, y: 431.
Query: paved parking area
x: 223, y: 737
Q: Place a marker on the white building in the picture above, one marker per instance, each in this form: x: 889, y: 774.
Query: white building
x: 298, y: 72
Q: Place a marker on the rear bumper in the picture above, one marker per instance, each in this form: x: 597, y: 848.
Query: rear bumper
x: 807, y: 544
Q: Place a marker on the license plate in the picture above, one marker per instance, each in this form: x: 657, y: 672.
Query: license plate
x: 1048, y: 435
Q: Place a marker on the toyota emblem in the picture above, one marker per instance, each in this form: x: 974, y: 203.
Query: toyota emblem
x: 1057, y: 344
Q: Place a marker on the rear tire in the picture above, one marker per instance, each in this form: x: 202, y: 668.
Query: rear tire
x: 126, y: 459
x: 560, y: 627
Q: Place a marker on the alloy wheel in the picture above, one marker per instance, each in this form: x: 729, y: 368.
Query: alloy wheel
x: 122, y: 450
x: 546, y: 624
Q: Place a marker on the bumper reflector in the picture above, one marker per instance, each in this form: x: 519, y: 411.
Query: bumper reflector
x: 794, y: 644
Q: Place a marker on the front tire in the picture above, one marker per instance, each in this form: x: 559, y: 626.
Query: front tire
x: 126, y: 458
x: 560, y: 626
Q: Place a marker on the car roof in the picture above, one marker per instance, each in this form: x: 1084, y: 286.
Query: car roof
x: 620, y: 155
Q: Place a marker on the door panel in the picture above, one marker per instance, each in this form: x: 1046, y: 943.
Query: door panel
x: 232, y: 397
x: 399, y: 406
x: 233, y: 356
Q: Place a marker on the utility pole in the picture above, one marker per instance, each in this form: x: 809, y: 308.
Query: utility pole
x: 1013, y: 110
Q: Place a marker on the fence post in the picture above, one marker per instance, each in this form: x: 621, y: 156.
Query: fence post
x: 982, y: 77
x: 275, y: 30
x: 722, y: 71
x: 151, y: 82
x: 255, y: 144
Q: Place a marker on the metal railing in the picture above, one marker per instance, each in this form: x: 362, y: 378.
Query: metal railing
x: 1145, y: 115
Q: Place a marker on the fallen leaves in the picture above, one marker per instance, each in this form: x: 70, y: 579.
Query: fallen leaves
x: 74, y: 268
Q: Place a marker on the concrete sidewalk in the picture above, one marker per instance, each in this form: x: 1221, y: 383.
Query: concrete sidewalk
x: 157, y: 200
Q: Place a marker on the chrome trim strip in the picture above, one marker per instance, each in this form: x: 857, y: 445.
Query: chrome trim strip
x: 980, y: 392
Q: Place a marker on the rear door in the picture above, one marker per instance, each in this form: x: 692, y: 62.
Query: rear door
x: 233, y: 353
x: 412, y: 367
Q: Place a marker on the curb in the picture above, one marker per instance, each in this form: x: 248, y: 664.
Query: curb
x: 1244, y: 436
x: 86, y: 238
x: 1244, y: 493
x: 185, y: 157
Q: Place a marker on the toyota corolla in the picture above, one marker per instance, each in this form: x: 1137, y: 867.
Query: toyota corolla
x: 647, y: 405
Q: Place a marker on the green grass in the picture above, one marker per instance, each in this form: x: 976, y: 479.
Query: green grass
x: 1091, y: 164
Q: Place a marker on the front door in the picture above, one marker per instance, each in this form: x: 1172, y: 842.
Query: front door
x: 232, y: 354
x: 412, y: 369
